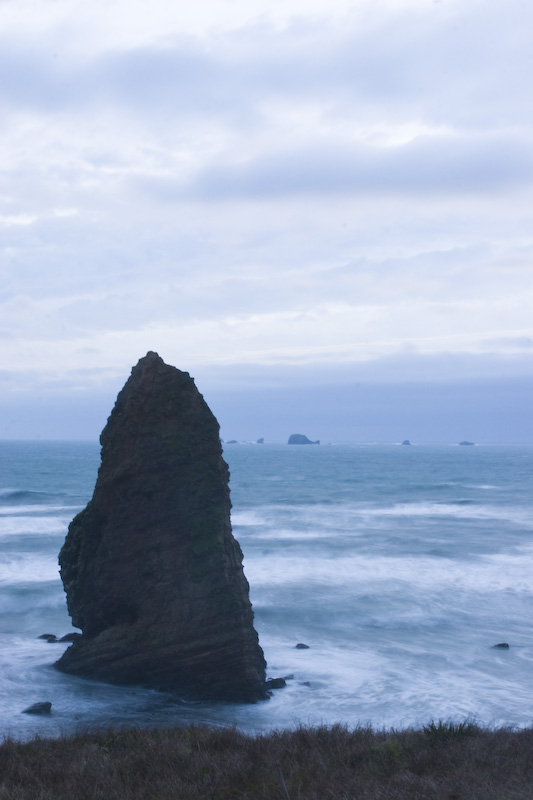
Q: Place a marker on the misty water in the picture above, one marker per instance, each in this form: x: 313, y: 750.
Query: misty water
x: 400, y: 568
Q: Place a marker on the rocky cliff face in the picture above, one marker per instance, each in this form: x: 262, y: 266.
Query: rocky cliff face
x: 152, y: 573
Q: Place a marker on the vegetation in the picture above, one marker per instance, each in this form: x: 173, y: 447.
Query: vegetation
x: 442, y: 761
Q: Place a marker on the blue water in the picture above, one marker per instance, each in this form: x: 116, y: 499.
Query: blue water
x: 400, y: 567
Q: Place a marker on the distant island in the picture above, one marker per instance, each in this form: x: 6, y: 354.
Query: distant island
x: 299, y: 438
x: 468, y: 443
x: 406, y: 441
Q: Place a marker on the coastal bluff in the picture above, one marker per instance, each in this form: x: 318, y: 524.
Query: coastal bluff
x: 151, y: 570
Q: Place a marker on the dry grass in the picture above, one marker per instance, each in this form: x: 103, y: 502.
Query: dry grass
x: 444, y: 761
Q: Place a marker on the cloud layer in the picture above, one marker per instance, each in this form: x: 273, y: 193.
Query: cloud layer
x: 264, y: 184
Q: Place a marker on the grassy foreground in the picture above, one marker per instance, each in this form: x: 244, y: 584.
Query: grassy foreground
x: 444, y: 761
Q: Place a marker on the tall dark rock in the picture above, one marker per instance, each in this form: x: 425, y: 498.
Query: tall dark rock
x: 152, y: 573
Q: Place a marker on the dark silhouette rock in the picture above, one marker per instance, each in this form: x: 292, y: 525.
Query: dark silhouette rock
x: 51, y: 637
x: 406, y: 441
x: 302, y: 646
x: 69, y: 637
x: 501, y: 646
x: 471, y: 444
x: 276, y: 683
x: 152, y: 573
x: 299, y: 438
x: 39, y: 708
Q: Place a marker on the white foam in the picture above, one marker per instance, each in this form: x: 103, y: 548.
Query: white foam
x: 15, y: 526
x: 464, y: 511
x: 484, y: 486
x: 248, y: 517
x: 6, y: 511
x: 340, y: 515
x: 385, y: 575
x: 15, y: 570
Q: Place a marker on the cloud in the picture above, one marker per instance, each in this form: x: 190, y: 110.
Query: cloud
x: 414, y: 64
x: 16, y: 219
x: 433, y: 165
x: 291, y: 187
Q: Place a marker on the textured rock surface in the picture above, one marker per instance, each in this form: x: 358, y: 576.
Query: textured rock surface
x: 152, y: 573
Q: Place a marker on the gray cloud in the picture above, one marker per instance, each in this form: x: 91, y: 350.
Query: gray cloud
x: 328, y: 194
x: 427, y: 165
x: 456, y: 69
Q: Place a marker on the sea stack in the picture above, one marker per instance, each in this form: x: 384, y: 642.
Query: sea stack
x: 300, y: 438
x: 151, y: 570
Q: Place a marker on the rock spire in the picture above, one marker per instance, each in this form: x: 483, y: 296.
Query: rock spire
x: 151, y: 570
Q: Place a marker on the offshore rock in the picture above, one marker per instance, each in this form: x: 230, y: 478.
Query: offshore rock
x: 300, y: 438
x: 44, y: 707
x: 152, y: 573
x: 276, y: 683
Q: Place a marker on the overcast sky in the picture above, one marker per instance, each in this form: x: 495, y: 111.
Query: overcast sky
x: 302, y: 203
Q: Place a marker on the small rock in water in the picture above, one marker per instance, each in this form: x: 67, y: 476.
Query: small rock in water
x: 501, y: 646
x: 275, y: 683
x: 50, y: 637
x: 39, y: 708
x: 302, y: 646
x: 69, y: 637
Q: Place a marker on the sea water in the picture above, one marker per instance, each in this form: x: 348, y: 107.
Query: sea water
x: 399, y: 567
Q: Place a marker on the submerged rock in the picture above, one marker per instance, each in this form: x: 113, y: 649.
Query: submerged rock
x: 152, y: 573
x: 44, y: 707
x: 276, y: 683
x: 300, y: 438
x: 70, y: 637
x: 501, y: 646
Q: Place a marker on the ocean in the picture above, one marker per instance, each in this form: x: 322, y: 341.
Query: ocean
x: 399, y: 567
